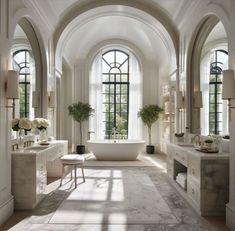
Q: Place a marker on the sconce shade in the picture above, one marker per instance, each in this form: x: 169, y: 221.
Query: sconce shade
x: 52, y: 99
x: 228, y: 88
x: 179, y: 99
x: 198, y: 99
x: 12, y: 90
x: 35, y: 99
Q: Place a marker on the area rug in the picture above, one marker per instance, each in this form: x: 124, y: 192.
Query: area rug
x: 114, y: 197
x: 142, y: 160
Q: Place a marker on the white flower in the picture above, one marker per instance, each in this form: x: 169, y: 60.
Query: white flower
x: 37, y: 122
x: 25, y: 123
x: 41, y: 123
x: 45, y: 123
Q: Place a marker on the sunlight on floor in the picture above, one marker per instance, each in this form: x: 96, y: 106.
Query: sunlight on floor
x: 160, y: 164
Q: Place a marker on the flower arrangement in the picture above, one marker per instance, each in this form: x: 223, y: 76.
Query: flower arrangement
x: 22, y: 123
x: 41, y: 123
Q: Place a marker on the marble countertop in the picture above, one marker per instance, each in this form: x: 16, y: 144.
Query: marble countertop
x: 34, y: 149
x: 202, y: 155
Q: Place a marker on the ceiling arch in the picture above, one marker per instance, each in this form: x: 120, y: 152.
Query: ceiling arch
x: 117, y: 22
x: 87, y: 5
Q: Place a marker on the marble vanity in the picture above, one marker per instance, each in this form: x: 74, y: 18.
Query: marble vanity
x: 30, y: 169
x: 207, y: 177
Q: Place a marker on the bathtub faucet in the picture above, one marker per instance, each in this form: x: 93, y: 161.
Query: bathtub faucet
x: 114, y: 133
x: 89, y: 134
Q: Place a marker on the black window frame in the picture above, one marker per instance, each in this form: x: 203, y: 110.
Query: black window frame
x: 216, y: 73
x: 115, y: 84
x: 25, y: 83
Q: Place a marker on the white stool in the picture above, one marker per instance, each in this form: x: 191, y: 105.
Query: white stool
x: 72, y: 160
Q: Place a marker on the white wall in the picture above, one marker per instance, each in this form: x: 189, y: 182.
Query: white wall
x: 10, y: 13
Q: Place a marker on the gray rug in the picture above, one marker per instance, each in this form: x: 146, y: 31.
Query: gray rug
x: 142, y: 160
x: 114, y: 197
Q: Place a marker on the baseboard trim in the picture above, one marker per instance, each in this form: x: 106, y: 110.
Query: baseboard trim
x: 6, y: 210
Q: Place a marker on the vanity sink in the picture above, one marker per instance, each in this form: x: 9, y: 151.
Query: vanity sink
x: 36, y: 148
x: 185, y: 145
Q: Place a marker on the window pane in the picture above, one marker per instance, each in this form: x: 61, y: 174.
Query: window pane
x: 118, y: 78
x: 220, y: 126
x: 212, y: 88
x: 109, y: 57
x: 219, y: 116
x: 123, y: 98
x: 124, y: 89
x: 112, y: 78
x: 124, y: 78
x: 220, y: 107
x: 212, y: 78
x: 124, y: 67
x: 105, y: 67
x: 219, y: 78
x: 120, y: 57
x: 219, y: 97
x: 212, y: 98
x: 115, y: 70
x: 219, y: 88
x: 118, y: 88
x: 212, y: 108
x: 105, y: 78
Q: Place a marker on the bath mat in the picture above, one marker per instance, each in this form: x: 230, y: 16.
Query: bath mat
x: 114, y: 197
x: 143, y: 160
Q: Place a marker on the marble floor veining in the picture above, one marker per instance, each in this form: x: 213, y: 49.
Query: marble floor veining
x: 131, y: 198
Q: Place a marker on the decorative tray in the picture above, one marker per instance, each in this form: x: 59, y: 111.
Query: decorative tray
x: 207, y: 150
x: 44, y: 143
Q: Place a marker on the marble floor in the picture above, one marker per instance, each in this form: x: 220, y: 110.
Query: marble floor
x: 139, y: 198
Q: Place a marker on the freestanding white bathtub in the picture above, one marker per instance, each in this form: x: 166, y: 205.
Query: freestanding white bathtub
x: 116, y: 149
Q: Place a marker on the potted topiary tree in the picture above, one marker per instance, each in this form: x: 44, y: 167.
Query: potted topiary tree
x: 80, y: 113
x: 149, y: 115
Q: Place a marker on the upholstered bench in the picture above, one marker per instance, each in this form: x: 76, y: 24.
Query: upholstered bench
x: 75, y: 161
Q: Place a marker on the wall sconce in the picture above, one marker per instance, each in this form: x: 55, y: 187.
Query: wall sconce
x: 12, y: 88
x: 228, y: 87
x: 198, y: 99
x: 35, y: 99
x: 51, y: 99
x: 179, y: 99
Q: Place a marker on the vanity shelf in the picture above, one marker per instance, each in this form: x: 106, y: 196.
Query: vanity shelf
x: 207, y: 178
x: 30, y: 169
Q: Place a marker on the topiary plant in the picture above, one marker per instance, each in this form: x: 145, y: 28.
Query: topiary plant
x: 149, y: 115
x: 80, y: 112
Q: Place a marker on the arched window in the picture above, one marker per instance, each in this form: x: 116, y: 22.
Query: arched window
x: 115, y: 91
x: 116, y: 94
x: 217, y: 64
x: 22, y: 62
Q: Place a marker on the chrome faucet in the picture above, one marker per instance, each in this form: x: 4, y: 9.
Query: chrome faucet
x: 197, y: 140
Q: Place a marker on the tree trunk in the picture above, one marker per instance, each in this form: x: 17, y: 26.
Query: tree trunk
x: 80, y: 128
x: 149, y: 133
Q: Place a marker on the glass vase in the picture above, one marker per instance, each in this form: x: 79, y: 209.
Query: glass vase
x: 42, y: 135
x: 21, y: 139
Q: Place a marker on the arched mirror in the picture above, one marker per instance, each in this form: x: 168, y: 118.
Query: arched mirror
x: 214, y: 59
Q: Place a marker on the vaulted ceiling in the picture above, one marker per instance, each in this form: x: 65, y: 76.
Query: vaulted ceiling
x: 112, y: 23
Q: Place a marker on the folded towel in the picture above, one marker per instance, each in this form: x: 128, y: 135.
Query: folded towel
x: 182, y: 174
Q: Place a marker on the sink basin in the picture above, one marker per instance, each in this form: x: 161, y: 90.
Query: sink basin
x: 36, y: 148
x: 185, y: 145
